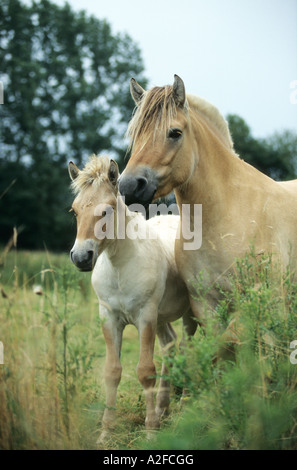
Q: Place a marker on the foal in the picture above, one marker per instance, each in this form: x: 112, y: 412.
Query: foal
x: 135, y: 279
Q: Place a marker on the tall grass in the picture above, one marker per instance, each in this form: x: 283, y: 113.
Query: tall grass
x: 51, y: 383
x: 46, y: 358
x: 52, y: 391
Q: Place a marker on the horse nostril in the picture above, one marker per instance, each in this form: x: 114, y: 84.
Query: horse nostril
x: 90, y: 253
x: 140, y: 188
x: 84, y: 260
x: 141, y: 183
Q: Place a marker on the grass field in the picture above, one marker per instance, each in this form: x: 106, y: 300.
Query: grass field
x: 51, y: 383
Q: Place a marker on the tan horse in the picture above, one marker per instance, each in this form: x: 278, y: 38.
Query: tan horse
x: 135, y: 278
x: 181, y: 142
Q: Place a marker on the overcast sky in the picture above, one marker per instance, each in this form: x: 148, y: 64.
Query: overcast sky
x: 239, y: 54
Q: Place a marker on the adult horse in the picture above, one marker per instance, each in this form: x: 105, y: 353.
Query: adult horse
x: 135, y: 278
x: 181, y: 142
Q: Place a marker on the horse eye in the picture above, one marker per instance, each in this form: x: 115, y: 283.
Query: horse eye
x: 175, y: 134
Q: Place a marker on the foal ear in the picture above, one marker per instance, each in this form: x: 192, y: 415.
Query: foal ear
x: 179, y: 92
x: 136, y: 91
x: 113, y: 172
x: 73, y: 171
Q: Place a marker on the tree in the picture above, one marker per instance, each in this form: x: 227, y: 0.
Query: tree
x: 66, y: 95
x: 284, y: 146
x: 276, y: 156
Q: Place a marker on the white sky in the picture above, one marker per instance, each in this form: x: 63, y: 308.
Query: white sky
x: 239, y: 54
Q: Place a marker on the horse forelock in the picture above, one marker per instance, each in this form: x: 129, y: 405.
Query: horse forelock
x: 157, y: 109
x: 154, y: 113
x: 94, y: 172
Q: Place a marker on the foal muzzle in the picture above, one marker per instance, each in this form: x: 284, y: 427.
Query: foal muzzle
x: 84, y: 255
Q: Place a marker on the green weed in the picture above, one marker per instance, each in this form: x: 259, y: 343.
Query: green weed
x: 250, y: 400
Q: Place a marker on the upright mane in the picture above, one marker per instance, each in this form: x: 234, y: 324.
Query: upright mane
x: 157, y: 109
x: 94, y: 172
x: 213, y: 115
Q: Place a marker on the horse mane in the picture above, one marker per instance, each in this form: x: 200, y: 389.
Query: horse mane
x: 94, y: 172
x: 213, y: 115
x: 157, y: 109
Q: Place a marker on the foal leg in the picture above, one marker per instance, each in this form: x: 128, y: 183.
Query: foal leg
x: 146, y: 370
x: 167, y: 339
x: 112, y: 332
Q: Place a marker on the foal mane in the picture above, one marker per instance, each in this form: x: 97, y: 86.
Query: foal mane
x: 94, y: 173
x: 157, y: 109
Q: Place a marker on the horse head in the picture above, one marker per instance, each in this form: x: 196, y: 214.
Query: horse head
x: 159, y: 133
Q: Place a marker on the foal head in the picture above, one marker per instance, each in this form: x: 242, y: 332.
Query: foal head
x: 95, y: 188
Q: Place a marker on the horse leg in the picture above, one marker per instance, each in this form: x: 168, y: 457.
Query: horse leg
x: 146, y: 370
x: 228, y: 340
x: 167, y: 339
x: 190, y: 324
x: 113, y: 370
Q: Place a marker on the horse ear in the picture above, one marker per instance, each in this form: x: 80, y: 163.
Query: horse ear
x: 136, y: 91
x: 113, y: 172
x: 73, y: 171
x: 179, y: 92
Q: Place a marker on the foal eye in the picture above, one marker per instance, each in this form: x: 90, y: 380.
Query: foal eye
x: 73, y: 211
x: 175, y: 134
x: 108, y: 211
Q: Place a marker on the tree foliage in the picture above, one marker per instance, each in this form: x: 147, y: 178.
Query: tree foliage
x: 66, y: 95
x: 276, y: 156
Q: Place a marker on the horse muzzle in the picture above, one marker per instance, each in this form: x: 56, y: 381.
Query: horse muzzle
x: 139, y: 188
x: 84, y: 255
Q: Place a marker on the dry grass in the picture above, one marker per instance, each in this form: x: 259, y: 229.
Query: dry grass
x: 51, y: 384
